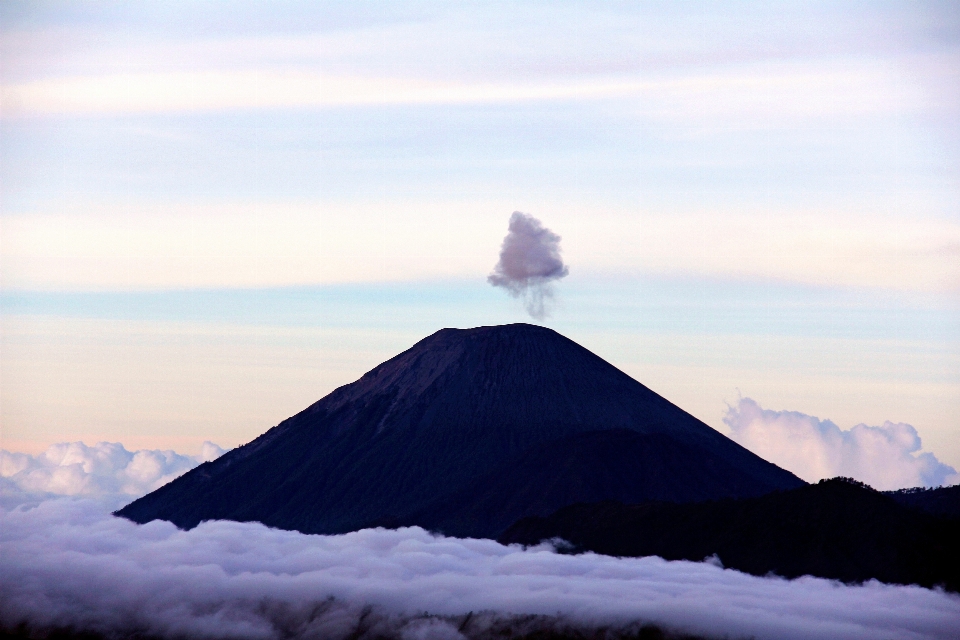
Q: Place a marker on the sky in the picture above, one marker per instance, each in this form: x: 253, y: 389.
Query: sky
x: 213, y: 214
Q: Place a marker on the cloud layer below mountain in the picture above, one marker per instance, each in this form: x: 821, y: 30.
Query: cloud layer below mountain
x: 885, y: 457
x: 68, y: 564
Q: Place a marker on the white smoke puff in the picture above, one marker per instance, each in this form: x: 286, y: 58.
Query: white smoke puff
x: 67, y: 564
x: 529, y: 261
x: 884, y: 457
x: 105, y: 469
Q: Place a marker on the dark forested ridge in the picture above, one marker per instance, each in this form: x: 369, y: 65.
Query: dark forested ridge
x: 837, y: 529
x: 465, y: 432
x: 943, y: 501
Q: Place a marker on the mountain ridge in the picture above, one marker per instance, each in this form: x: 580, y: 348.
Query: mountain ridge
x: 838, y: 528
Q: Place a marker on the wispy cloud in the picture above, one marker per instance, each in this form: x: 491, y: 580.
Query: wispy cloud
x: 212, y: 91
x: 275, y: 244
x: 772, y: 95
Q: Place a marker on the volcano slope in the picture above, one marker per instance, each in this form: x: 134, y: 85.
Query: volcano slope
x: 464, y: 433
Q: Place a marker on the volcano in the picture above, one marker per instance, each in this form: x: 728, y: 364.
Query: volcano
x: 464, y: 433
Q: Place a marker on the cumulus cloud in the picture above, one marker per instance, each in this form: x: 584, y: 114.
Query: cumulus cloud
x: 529, y: 261
x: 885, y: 457
x: 68, y: 564
x: 105, y: 469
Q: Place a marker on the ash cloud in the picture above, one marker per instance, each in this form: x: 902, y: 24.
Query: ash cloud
x: 103, y: 470
x: 529, y: 262
x: 886, y: 457
x: 67, y: 564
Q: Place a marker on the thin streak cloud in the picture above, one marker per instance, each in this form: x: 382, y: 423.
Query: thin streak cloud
x: 769, y: 95
x: 272, y: 244
x: 211, y: 91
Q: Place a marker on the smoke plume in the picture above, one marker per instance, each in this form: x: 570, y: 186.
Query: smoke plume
x: 885, y: 457
x: 529, y: 261
x: 68, y: 564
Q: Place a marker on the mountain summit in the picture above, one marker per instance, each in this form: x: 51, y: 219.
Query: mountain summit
x: 465, y: 432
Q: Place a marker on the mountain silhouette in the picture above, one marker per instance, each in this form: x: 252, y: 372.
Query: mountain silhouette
x: 464, y: 433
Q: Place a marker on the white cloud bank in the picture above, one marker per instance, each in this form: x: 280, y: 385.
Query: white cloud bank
x: 66, y: 563
x: 885, y: 457
x: 103, y: 470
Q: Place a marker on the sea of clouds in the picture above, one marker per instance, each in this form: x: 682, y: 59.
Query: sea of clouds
x: 886, y: 457
x: 67, y: 563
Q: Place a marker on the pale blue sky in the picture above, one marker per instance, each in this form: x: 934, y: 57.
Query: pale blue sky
x: 214, y: 213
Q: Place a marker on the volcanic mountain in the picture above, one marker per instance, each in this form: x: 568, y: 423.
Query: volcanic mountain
x: 464, y: 433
